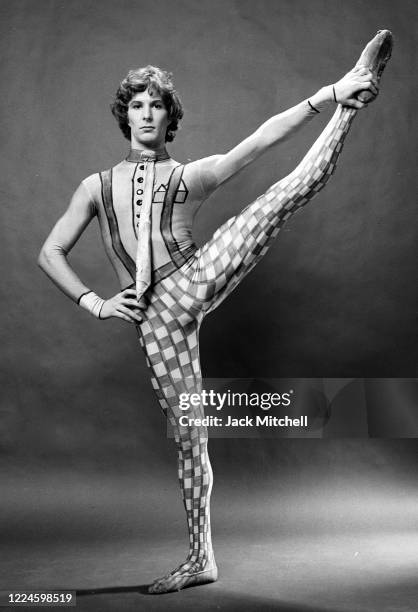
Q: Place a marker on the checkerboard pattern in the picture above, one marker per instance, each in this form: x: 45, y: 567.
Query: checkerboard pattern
x: 169, y: 333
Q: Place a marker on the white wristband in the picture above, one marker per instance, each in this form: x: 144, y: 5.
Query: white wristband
x: 92, y: 302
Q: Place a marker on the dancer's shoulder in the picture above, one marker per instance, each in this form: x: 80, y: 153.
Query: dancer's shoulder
x: 202, y: 172
x: 92, y: 182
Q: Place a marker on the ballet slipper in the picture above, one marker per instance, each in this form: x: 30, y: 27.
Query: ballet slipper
x: 175, y: 583
x: 375, y: 56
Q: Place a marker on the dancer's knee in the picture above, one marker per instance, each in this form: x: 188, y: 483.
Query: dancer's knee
x: 191, y: 440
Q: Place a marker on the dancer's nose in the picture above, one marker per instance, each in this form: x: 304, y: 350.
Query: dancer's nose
x: 147, y: 112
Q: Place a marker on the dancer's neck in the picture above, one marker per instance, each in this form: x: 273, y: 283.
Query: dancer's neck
x: 136, y: 155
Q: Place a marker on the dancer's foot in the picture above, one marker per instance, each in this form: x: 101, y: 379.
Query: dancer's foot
x: 189, y: 573
x: 375, y: 56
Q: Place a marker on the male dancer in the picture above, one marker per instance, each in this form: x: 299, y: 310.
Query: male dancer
x: 145, y: 206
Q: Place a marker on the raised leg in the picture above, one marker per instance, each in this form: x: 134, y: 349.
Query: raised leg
x: 241, y: 242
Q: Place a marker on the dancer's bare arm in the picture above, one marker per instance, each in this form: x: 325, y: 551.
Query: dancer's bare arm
x: 217, y: 169
x: 66, y: 232
x: 53, y: 258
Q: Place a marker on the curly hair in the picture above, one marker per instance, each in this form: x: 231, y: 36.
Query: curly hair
x: 144, y: 79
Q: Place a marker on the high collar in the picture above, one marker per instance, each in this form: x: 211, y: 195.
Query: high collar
x: 138, y: 155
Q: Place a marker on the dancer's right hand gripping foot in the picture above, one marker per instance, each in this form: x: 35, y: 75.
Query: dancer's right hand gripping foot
x: 361, y: 85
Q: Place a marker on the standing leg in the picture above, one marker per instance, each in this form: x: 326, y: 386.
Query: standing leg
x: 170, y: 341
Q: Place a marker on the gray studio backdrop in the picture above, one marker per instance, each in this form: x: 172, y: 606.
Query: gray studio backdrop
x: 335, y: 296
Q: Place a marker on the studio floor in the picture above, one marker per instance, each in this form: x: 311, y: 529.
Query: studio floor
x: 107, y: 540
x: 293, y: 574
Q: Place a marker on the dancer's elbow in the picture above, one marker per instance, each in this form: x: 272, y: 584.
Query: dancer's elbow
x: 42, y: 260
x: 45, y: 261
x: 47, y: 256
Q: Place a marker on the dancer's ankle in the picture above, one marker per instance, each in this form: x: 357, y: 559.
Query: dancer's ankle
x: 203, y: 560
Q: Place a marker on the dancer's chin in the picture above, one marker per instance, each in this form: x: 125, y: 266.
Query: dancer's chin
x: 147, y: 140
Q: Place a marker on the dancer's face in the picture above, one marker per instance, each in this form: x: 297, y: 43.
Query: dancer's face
x: 148, y: 120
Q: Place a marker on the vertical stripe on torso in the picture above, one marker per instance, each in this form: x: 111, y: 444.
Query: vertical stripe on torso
x: 107, y: 198
x: 166, y: 224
